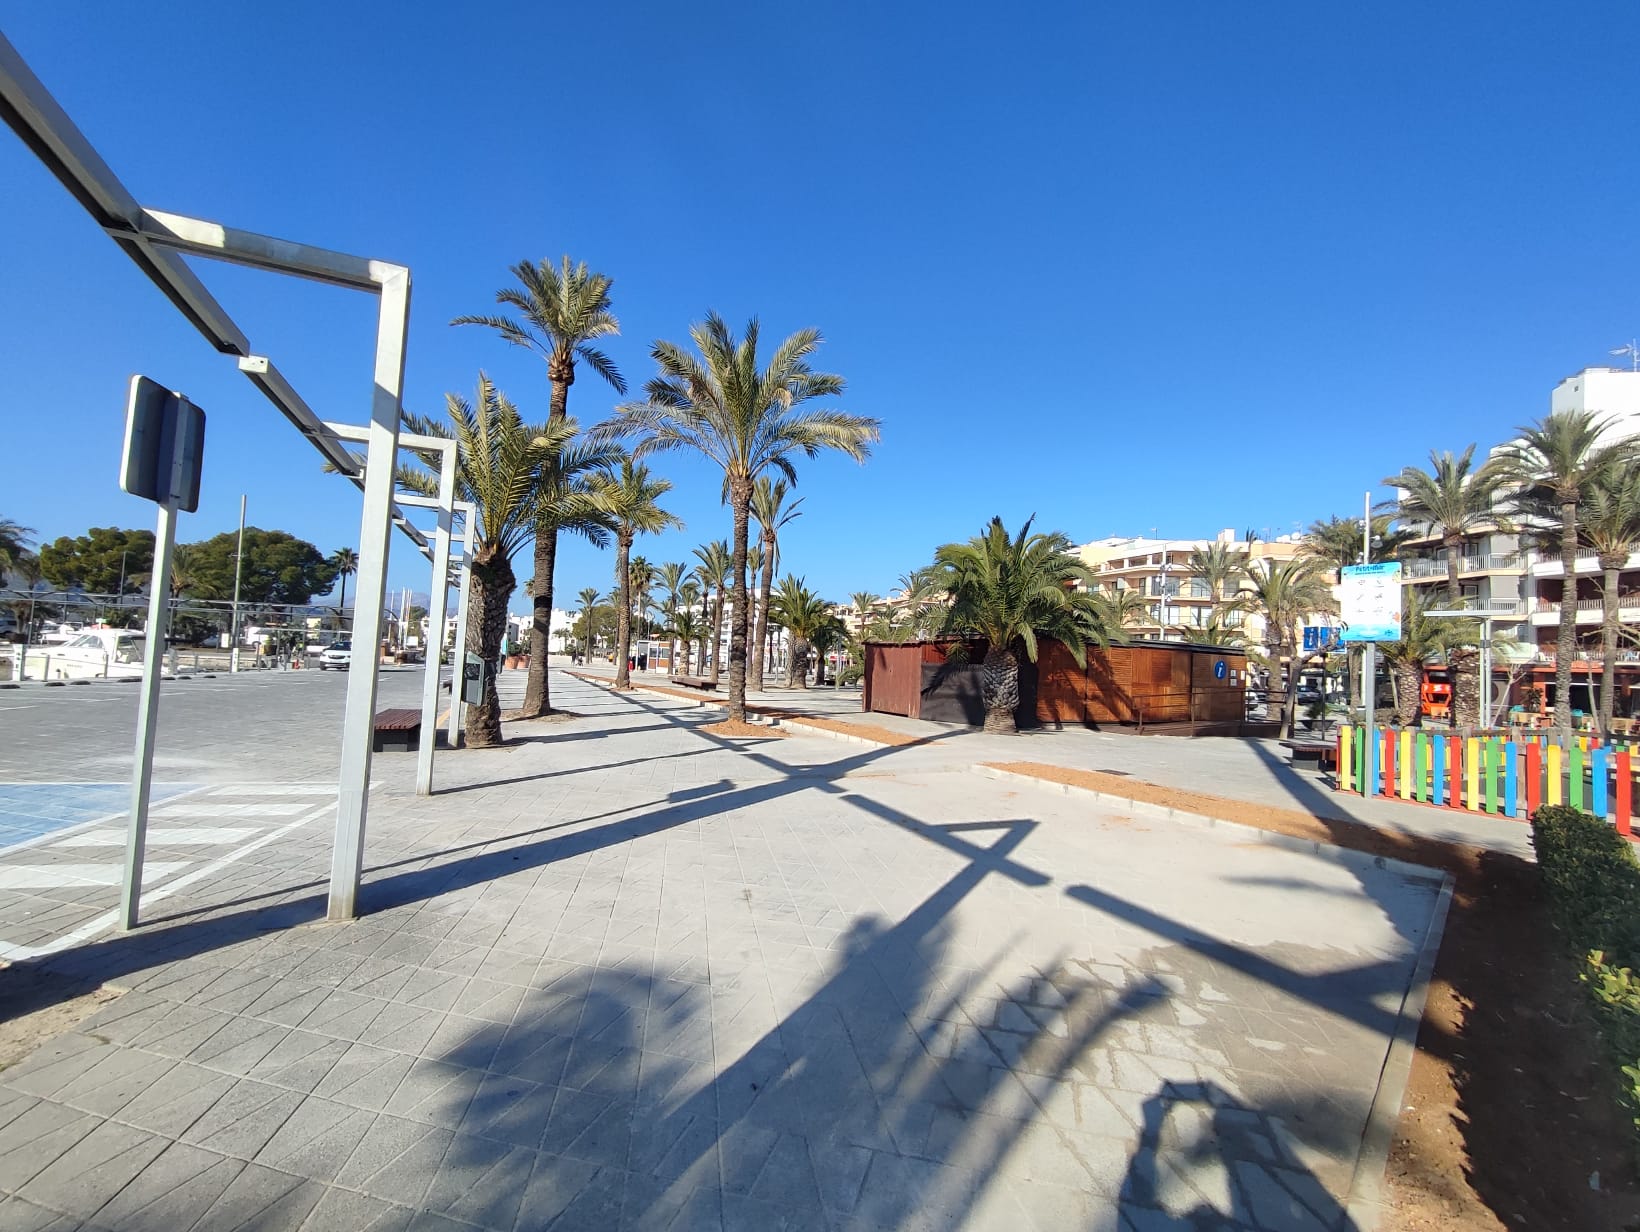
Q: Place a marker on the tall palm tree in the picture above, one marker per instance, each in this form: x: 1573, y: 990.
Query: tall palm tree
x: 772, y: 512
x: 1555, y: 463
x: 713, y: 572
x: 1285, y: 593
x: 497, y: 469
x: 346, y: 562
x: 747, y: 420
x: 642, y: 574
x: 1011, y: 591
x: 1220, y: 566
x: 628, y: 495
x: 1453, y: 499
x: 1120, y: 610
x: 671, y: 578
x: 588, y: 599
x: 804, y: 615
x: 562, y: 310
x: 1610, y: 526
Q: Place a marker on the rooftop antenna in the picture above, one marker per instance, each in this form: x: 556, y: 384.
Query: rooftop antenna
x: 1632, y: 350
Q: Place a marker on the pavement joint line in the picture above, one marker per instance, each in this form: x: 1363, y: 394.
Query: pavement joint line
x: 107, y: 920
x: 1364, y: 1204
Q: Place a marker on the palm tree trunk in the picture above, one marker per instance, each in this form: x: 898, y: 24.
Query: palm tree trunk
x: 999, y: 689
x: 537, y: 698
x: 341, y: 609
x: 493, y: 583
x: 740, y: 497
x: 1408, y: 678
x: 1465, y: 664
x: 717, y: 633
x: 623, y: 609
x: 1289, y: 704
x: 797, y: 671
x: 765, y: 645
x: 1566, y: 644
x: 1608, y: 646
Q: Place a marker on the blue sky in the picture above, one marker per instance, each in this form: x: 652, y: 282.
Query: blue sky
x: 1179, y: 267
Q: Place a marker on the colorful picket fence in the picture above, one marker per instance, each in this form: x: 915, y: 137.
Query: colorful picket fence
x: 1507, y: 774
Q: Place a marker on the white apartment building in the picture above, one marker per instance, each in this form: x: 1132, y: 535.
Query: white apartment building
x: 1500, y: 571
x: 1159, y: 569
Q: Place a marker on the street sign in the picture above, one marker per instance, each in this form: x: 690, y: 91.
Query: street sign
x: 164, y: 446
x: 1321, y: 638
x: 1370, y: 599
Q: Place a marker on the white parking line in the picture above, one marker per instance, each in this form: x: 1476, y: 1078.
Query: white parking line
x: 107, y: 920
x: 166, y: 836
x: 56, y: 876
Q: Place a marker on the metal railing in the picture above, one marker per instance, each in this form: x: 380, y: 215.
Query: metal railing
x: 1435, y: 566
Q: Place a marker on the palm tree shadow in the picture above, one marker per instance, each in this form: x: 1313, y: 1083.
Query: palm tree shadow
x: 1206, y: 1160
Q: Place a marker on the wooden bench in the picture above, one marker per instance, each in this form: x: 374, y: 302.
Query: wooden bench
x: 397, y: 731
x: 1325, y: 752
x: 695, y: 682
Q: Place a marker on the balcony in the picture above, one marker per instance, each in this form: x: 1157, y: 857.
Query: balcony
x: 1589, y: 611
x: 1424, y: 568
x: 1550, y: 566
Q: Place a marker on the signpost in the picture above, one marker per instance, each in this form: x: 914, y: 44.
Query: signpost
x: 1370, y: 596
x: 164, y: 455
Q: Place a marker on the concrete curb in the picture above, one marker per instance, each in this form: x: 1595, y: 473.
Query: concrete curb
x: 1365, y: 1202
x: 1307, y: 846
x: 763, y: 718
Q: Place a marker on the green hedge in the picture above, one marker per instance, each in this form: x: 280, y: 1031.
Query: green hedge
x: 1593, y: 880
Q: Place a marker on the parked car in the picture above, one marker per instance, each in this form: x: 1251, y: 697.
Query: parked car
x: 338, y: 655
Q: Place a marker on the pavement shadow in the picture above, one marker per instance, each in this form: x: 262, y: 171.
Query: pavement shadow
x: 1208, y: 1161
x: 876, y: 1090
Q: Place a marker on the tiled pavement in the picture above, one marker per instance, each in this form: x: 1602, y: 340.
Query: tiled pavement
x: 621, y: 974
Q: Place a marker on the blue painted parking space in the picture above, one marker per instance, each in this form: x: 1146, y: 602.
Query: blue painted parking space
x: 30, y: 811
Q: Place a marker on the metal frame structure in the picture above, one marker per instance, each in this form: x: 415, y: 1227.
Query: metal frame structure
x: 155, y: 242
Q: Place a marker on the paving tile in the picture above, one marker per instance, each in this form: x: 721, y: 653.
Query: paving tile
x: 21, y: 1215
x: 173, y: 1191
x: 36, y: 1138
x: 94, y: 1169
x: 242, y: 1121
x: 263, y: 1200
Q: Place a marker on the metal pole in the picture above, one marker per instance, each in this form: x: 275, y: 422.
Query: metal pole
x: 1369, y: 650
x: 437, y: 600
x: 459, y: 650
x: 136, y: 834
x: 358, y: 727
x: 1486, y: 671
x: 238, y: 559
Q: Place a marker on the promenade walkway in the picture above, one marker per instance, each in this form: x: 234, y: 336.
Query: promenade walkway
x: 625, y: 974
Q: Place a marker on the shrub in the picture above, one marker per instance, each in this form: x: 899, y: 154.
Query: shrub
x: 1593, y: 881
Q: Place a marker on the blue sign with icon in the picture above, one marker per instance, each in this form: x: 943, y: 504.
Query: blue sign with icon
x: 1219, y: 670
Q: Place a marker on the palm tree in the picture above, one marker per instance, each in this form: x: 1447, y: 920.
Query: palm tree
x: 1453, y: 500
x: 346, y: 563
x: 1010, y: 592
x: 588, y: 600
x: 642, y: 575
x: 1221, y: 566
x: 563, y: 310
x: 1556, y: 462
x: 686, y: 627
x: 1422, y: 639
x: 1216, y: 632
x: 1337, y: 541
x: 690, y: 596
x: 1120, y: 610
x: 1610, y: 526
x: 1285, y: 593
x: 772, y: 512
x: 672, y: 576
x: 804, y: 615
x: 713, y: 572
x: 628, y: 496
x: 14, y: 541
x: 497, y: 469
x: 747, y: 420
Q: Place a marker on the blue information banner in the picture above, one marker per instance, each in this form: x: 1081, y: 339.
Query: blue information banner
x: 1370, y: 598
